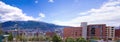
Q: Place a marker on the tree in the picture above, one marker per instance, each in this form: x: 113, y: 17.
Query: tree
x: 95, y: 38
x: 21, y: 38
x: 42, y: 38
x: 56, y: 38
x: 10, y: 37
x: 1, y: 32
x: 80, y: 40
x: 69, y: 40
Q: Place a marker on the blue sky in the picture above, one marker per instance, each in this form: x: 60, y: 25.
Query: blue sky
x: 62, y: 12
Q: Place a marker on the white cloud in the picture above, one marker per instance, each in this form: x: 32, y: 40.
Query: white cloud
x: 108, y: 13
x: 10, y: 13
x: 51, y: 1
x: 36, y: 1
x: 42, y: 15
x: 65, y: 23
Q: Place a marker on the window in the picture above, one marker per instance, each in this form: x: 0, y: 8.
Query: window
x: 112, y: 27
x: 75, y: 33
x: 80, y: 34
x: 112, y: 33
x: 92, y: 31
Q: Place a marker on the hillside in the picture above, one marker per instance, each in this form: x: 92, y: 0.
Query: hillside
x: 29, y: 25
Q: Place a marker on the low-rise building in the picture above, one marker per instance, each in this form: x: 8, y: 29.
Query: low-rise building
x: 50, y: 34
x: 73, y: 32
x: 99, y: 31
x: 96, y: 31
x: 117, y: 33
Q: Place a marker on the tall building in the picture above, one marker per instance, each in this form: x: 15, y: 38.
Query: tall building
x: 84, y: 29
x: 73, y: 32
x: 97, y: 31
x: 110, y: 32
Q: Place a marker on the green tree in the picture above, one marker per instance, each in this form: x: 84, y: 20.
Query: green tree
x: 69, y: 40
x: 81, y: 40
x: 10, y: 37
x: 56, y: 38
x: 1, y: 32
x: 21, y: 38
x: 42, y: 38
x: 95, y: 38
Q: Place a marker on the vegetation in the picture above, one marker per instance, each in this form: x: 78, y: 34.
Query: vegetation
x: 40, y: 38
x: 56, y: 38
x: 30, y: 25
x: 95, y: 38
x: 10, y: 37
x: 81, y: 40
x: 69, y: 40
x: 21, y: 38
x: 1, y: 29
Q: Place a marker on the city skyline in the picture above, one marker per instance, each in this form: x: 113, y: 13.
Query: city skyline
x: 62, y: 12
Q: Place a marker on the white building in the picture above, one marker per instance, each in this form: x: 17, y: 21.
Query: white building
x: 110, y: 32
x: 84, y: 29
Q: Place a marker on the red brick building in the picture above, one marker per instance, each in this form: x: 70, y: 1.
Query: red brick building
x: 97, y: 31
x: 73, y: 32
x: 117, y: 33
x: 50, y: 34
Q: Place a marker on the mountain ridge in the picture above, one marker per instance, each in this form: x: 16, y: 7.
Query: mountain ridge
x: 29, y: 25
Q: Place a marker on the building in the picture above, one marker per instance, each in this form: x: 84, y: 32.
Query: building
x: 110, y: 32
x: 117, y: 33
x: 26, y: 33
x: 97, y: 31
x: 73, y: 32
x: 59, y: 32
x: 50, y: 34
x: 84, y: 29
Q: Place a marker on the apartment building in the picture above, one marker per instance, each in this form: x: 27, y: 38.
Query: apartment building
x: 73, y: 32
x: 110, y: 32
x: 99, y: 31
x: 117, y: 34
x: 96, y: 31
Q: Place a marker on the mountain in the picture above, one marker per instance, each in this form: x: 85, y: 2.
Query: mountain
x: 29, y: 25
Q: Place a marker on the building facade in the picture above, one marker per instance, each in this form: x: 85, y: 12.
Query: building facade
x: 110, y: 32
x: 84, y: 29
x: 50, y: 34
x: 72, y: 32
x: 97, y: 31
x: 117, y: 34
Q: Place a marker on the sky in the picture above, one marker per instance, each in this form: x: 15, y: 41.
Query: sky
x: 62, y: 12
